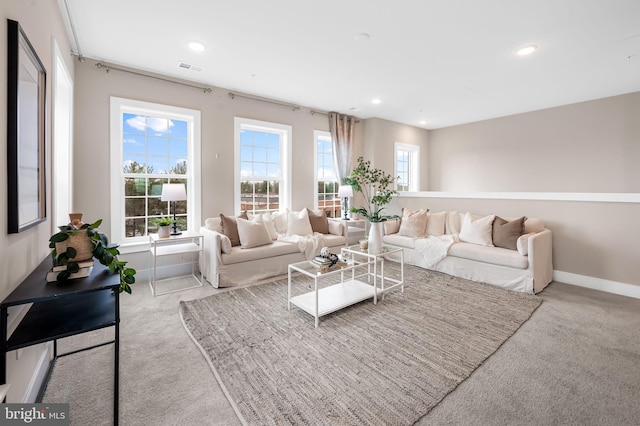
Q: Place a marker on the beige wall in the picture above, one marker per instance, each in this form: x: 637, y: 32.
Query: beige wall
x: 597, y: 240
x: 379, y: 137
x: 586, y: 147
x: 589, y: 147
x: 21, y: 253
x: 93, y: 88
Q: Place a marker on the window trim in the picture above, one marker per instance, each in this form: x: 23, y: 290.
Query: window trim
x: 316, y: 135
x: 285, y: 158
x: 120, y: 106
x: 414, y: 159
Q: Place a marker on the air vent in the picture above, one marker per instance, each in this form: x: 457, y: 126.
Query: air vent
x: 191, y: 67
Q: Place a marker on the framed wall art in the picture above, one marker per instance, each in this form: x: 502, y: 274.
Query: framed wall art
x: 26, y: 93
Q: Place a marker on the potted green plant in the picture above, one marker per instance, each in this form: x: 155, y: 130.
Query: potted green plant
x: 107, y: 254
x: 164, y: 226
x: 376, y: 188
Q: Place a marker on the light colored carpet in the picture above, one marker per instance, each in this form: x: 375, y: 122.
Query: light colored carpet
x: 388, y: 363
x: 574, y: 362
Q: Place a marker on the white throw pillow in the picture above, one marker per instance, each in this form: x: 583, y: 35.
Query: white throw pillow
x: 280, y: 219
x: 435, y: 223
x: 268, y: 222
x: 413, y: 224
x: 298, y: 223
x: 477, y: 230
x: 335, y: 227
x: 253, y: 233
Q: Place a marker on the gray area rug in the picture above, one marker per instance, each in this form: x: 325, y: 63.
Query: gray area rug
x: 389, y: 363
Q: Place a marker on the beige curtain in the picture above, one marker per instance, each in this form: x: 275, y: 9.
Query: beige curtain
x: 341, y: 127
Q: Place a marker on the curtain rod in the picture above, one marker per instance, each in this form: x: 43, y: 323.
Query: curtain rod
x: 233, y: 95
x: 108, y: 68
x: 284, y: 104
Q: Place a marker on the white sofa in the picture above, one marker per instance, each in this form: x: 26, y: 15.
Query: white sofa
x: 223, y: 265
x: 527, y: 267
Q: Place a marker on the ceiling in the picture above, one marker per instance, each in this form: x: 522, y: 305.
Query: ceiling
x: 444, y: 62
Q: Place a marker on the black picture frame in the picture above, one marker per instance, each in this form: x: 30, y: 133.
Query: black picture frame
x: 26, y: 100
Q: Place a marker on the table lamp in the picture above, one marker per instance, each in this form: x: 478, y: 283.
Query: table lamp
x: 344, y: 192
x: 174, y: 192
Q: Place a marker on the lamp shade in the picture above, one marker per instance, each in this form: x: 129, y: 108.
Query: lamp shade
x: 345, y: 191
x: 173, y: 192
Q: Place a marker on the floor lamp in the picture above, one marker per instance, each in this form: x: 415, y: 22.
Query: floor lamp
x: 344, y: 192
x: 174, y: 192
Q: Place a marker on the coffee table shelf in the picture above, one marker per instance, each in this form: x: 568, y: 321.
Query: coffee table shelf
x: 322, y: 301
x: 334, y: 297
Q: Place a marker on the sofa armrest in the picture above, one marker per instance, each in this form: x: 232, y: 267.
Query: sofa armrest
x: 540, y: 259
x: 211, y: 256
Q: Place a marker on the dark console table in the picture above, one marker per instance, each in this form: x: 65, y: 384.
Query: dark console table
x: 63, y: 309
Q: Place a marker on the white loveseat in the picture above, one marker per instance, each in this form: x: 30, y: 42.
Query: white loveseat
x: 445, y: 246
x: 292, y: 240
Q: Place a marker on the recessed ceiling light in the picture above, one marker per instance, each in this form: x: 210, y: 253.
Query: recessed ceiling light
x: 196, y: 46
x: 527, y: 50
x: 423, y: 121
x: 376, y: 101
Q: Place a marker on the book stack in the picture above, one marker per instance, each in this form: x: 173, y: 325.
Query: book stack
x: 320, y: 262
x: 84, y: 270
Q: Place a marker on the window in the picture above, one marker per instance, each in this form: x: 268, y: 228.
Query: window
x: 263, y: 172
x: 326, y: 195
x: 407, y: 170
x: 151, y: 145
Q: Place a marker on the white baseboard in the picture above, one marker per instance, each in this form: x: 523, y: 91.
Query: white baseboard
x: 39, y: 374
x: 608, y: 286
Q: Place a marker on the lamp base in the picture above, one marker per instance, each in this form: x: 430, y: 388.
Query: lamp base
x: 176, y: 233
x: 345, y: 203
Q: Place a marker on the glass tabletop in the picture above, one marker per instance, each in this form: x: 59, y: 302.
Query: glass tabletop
x: 385, y: 250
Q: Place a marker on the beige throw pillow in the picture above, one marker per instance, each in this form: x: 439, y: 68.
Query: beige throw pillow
x: 319, y: 221
x: 391, y: 226
x: 253, y: 233
x: 506, y: 233
x: 413, y: 224
x: 476, y: 229
x: 230, y: 227
x: 436, y: 223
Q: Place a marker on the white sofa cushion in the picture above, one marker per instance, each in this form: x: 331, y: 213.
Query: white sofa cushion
x: 400, y: 240
x: 332, y: 240
x: 476, y: 229
x: 495, y: 255
x: 253, y: 233
x: 277, y: 248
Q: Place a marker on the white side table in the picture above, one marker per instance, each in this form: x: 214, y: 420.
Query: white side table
x: 355, y: 251
x: 185, y: 243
